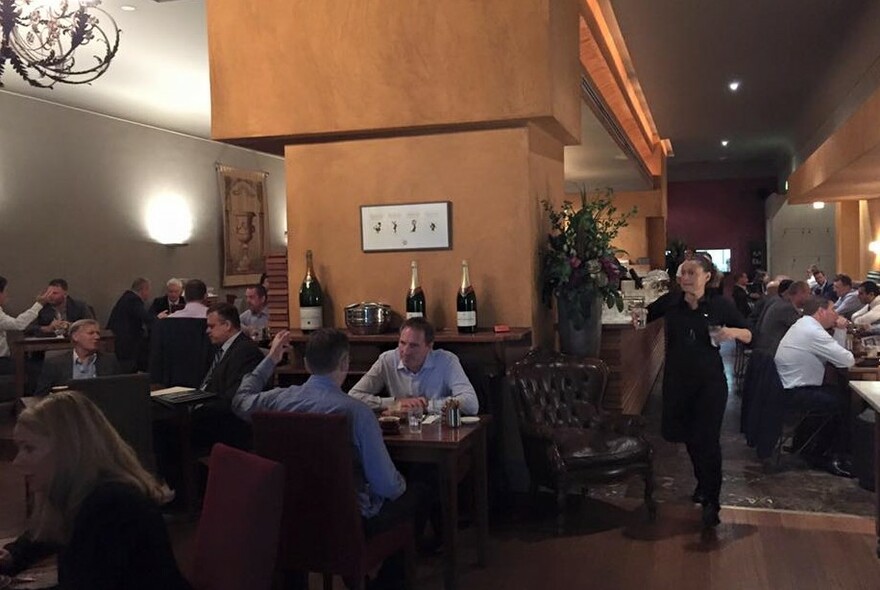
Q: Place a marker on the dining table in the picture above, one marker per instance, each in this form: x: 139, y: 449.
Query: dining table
x: 870, y: 392
x: 456, y: 452
x: 21, y: 344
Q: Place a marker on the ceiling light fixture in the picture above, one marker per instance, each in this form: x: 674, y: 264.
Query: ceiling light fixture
x: 51, y: 41
x: 733, y: 85
x: 874, y: 247
x: 127, y: 8
x: 818, y: 205
x: 724, y: 143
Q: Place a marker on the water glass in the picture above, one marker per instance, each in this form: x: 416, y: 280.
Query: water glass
x: 414, y: 418
x: 640, y: 318
x: 713, y: 335
x: 435, y: 406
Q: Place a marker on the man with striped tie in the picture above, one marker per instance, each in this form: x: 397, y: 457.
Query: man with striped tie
x: 236, y: 356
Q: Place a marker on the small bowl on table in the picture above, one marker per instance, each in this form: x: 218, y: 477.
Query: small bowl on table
x: 389, y: 424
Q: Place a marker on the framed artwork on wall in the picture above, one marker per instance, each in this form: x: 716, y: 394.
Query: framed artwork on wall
x: 243, y: 193
x: 411, y: 226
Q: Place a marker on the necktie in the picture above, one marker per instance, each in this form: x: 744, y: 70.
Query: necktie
x: 217, y: 356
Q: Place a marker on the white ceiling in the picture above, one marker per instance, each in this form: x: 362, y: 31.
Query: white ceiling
x: 159, y: 77
x: 598, y: 162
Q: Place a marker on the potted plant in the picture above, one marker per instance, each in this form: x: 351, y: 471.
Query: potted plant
x: 579, y: 267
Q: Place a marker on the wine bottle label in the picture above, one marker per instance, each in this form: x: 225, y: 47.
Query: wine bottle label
x: 311, y: 318
x: 414, y: 314
x: 467, y: 318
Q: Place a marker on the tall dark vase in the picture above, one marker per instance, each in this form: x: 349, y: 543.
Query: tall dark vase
x: 587, y: 340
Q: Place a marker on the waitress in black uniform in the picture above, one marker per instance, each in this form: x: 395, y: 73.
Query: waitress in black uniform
x: 694, y: 384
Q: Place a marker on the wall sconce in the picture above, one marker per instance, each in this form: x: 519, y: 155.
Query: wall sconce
x: 169, y: 220
x: 819, y: 205
x: 874, y: 247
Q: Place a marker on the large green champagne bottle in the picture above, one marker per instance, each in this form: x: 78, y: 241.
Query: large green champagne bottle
x: 466, y: 303
x: 415, y: 297
x: 311, y: 299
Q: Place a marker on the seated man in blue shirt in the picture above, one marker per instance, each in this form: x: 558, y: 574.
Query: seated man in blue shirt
x: 382, y: 493
x: 415, y: 374
x: 326, y: 358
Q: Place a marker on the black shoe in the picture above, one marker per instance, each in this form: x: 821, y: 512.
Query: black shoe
x: 710, y: 515
x: 840, y: 467
x: 698, y: 497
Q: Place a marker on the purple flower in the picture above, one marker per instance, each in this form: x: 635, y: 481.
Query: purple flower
x: 575, y: 262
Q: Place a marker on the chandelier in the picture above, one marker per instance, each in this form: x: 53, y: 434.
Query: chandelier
x: 50, y: 41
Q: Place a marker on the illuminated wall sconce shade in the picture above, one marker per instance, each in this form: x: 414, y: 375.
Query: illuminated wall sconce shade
x: 819, y: 205
x: 169, y: 220
x: 874, y: 247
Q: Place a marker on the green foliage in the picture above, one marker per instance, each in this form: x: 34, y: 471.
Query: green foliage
x: 579, y: 261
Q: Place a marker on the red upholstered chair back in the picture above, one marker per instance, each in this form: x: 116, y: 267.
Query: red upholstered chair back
x: 321, y: 530
x: 237, y: 536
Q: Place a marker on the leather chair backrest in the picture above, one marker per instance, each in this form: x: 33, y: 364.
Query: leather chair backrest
x: 554, y: 390
x: 237, y: 537
x: 125, y: 401
x: 321, y: 529
x: 180, y: 352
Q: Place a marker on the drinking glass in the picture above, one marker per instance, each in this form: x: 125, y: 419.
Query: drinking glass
x: 414, y: 417
x: 714, y: 329
x: 640, y: 318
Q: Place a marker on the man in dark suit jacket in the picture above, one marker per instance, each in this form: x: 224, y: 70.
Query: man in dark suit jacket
x: 823, y: 288
x: 86, y: 362
x: 236, y: 356
x: 128, y: 321
x: 60, y: 310
x: 172, y: 301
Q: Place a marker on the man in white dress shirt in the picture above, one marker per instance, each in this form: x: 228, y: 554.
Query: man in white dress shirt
x: 415, y: 375
x: 19, y: 322
x: 847, y: 298
x: 870, y: 313
x: 800, y: 361
x: 195, y: 292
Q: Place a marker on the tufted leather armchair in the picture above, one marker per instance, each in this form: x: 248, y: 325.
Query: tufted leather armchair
x: 568, y: 439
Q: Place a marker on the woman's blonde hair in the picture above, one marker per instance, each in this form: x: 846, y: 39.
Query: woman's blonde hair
x: 87, y: 451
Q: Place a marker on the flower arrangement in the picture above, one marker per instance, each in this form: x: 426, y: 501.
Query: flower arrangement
x: 580, y: 261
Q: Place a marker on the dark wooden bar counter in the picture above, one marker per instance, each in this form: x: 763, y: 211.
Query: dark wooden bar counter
x: 635, y: 360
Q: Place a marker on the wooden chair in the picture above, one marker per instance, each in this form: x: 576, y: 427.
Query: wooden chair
x: 322, y: 529
x: 237, y: 537
x: 568, y: 439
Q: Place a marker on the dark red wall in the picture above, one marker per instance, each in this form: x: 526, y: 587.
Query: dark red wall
x: 720, y: 214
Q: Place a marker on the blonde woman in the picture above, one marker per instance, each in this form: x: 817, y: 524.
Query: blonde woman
x: 96, y: 506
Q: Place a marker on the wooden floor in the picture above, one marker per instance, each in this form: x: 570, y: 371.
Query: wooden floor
x: 608, y: 545
x: 617, y: 550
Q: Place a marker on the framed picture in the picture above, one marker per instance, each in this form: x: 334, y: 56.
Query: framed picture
x: 413, y: 226
x: 243, y: 193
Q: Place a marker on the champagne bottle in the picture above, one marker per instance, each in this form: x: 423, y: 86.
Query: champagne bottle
x: 415, y: 298
x: 311, y: 299
x: 466, y: 303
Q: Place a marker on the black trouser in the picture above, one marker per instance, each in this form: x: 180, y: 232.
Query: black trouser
x: 697, y: 422
x: 7, y: 367
x: 826, y: 399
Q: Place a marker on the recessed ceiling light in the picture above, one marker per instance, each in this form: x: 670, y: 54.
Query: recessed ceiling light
x: 128, y: 8
x: 724, y: 143
x: 818, y: 205
x: 733, y: 85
